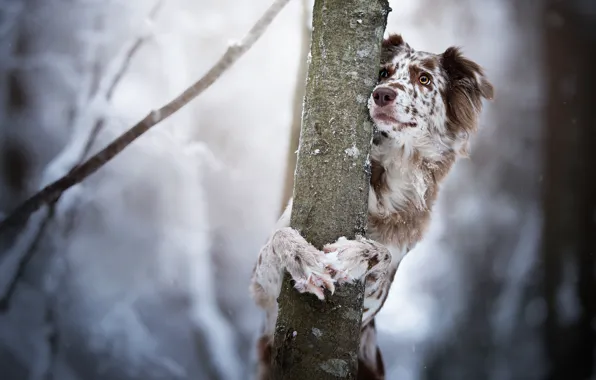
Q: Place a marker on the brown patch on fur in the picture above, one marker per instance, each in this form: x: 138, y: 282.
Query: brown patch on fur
x: 429, y: 64
x: 264, y: 352
x: 378, y: 177
x: 380, y: 295
x: 257, y: 290
x: 416, y: 156
x: 370, y: 368
x: 381, y: 365
x: 367, y: 373
x: 264, y: 348
x: 406, y: 227
x: 463, y: 95
x: 391, y: 46
x: 371, y: 264
x: 393, y: 40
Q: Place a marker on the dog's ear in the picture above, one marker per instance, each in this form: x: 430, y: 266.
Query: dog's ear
x: 466, y: 87
x: 461, y: 70
x: 394, y: 40
x: 391, y: 46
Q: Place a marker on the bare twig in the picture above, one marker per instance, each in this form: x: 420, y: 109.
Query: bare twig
x: 115, y: 80
x: 24, y: 260
x: 53, y: 191
x: 132, y: 51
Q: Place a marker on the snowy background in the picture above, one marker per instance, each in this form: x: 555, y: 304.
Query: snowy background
x: 142, y: 270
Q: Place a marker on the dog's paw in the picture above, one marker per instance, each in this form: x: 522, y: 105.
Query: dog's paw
x: 346, y: 260
x: 305, y: 264
x: 317, y: 280
x: 350, y: 260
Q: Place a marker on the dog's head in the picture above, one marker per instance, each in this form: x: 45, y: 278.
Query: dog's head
x: 427, y: 103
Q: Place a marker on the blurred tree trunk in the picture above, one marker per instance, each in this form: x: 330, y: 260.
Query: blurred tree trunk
x: 570, y: 193
x: 314, y: 339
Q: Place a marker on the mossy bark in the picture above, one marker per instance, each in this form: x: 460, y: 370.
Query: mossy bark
x: 314, y: 339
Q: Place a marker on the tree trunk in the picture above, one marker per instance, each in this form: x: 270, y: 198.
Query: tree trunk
x: 314, y: 339
x: 570, y: 193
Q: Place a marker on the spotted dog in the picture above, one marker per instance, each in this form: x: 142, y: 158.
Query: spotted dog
x: 425, y: 109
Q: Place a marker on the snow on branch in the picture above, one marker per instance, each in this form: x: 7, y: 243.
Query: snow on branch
x: 113, y: 78
x: 53, y: 191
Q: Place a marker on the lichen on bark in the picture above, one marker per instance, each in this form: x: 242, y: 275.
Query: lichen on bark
x: 314, y: 339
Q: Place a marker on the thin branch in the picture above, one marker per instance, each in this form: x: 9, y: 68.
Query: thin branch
x: 54, y: 190
x: 115, y: 80
x: 24, y: 261
x: 132, y: 51
x: 20, y: 255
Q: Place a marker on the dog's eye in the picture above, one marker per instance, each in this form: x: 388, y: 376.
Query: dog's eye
x: 384, y: 73
x: 424, y: 80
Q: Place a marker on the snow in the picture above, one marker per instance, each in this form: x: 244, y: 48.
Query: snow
x: 353, y: 151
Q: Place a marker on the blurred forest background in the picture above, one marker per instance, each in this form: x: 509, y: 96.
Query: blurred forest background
x: 141, y: 272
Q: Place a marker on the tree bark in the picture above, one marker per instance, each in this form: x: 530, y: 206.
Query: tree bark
x: 570, y: 192
x: 314, y: 339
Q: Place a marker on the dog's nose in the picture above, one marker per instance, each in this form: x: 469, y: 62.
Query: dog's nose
x: 384, y: 96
